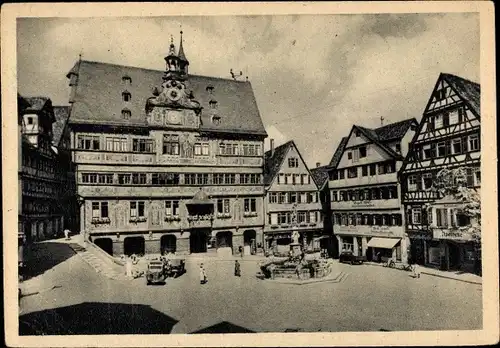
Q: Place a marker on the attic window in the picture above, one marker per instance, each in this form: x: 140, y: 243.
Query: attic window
x: 356, y: 133
x: 213, y: 104
x: 210, y: 89
x: 127, y: 79
x: 216, y: 120
x: 126, y: 114
x: 413, y: 127
x: 126, y: 96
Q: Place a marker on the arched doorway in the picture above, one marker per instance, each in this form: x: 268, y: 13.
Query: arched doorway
x: 224, y: 242
x: 168, y: 243
x: 249, y: 241
x: 105, y: 244
x: 198, y: 240
x: 133, y: 245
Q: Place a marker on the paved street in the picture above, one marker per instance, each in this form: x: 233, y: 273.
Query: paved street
x: 77, y: 300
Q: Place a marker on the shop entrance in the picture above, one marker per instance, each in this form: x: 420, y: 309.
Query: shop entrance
x: 198, y: 240
x: 168, y: 244
x: 453, y: 256
x: 134, y: 245
x: 249, y: 237
x: 105, y: 244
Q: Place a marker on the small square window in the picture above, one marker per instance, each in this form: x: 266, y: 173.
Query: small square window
x: 349, y: 155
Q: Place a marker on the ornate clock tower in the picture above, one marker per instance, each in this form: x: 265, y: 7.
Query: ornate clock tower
x: 172, y: 103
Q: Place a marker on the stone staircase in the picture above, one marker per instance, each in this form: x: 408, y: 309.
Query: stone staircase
x: 99, y: 264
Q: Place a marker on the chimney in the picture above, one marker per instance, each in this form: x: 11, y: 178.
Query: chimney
x: 318, y: 164
x: 272, y: 147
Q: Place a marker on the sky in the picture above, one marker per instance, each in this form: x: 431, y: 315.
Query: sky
x: 313, y: 76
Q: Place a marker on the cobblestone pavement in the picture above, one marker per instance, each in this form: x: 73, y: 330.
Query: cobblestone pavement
x: 78, y: 300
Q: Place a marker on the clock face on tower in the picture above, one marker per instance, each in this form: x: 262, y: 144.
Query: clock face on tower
x: 174, y: 94
x: 174, y: 117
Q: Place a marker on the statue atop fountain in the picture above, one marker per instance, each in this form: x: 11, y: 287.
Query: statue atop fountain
x: 295, y: 246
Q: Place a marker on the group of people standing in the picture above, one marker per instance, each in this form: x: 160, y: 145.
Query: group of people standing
x: 203, y: 273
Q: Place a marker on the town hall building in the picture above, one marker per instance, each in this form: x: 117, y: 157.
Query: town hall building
x: 166, y: 161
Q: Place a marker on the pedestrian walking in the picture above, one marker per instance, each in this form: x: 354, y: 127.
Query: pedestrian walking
x: 66, y: 234
x: 203, y: 275
x: 416, y: 271
x: 237, y: 269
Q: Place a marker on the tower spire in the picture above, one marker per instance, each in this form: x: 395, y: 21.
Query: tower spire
x: 171, y: 50
x: 181, y: 54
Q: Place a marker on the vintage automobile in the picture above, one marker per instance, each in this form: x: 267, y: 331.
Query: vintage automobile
x: 347, y: 256
x: 156, y: 272
x: 175, y: 267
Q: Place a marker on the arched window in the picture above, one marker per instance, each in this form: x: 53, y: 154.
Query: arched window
x: 216, y: 120
x: 213, y: 104
x: 127, y: 79
x: 126, y: 96
x: 126, y: 114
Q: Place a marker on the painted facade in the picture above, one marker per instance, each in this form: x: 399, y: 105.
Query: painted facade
x: 176, y: 168
x: 365, y: 194
x: 448, y: 137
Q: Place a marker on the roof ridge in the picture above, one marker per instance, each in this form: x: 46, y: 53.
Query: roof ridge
x: 158, y: 70
x: 461, y: 78
x: 288, y: 143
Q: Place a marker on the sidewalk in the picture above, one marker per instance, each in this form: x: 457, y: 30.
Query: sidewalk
x: 455, y: 275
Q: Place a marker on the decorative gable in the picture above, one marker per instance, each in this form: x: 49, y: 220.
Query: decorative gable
x: 443, y: 96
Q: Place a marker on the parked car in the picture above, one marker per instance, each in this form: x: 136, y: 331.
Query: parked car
x: 349, y: 257
x: 175, y: 267
x: 156, y: 272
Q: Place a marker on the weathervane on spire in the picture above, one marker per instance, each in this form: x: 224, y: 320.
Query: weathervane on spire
x: 382, y: 120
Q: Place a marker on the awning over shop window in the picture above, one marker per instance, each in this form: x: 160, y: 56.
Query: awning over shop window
x: 385, y: 243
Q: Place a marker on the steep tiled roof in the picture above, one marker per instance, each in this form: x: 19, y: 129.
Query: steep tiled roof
x: 36, y: 103
x: 338, y: 153
x: 470, y: 91
x: 394, y: 131
x: 320, y: 175
x: 272, y: 164
x: 61, y: 113
x: 98, y: 98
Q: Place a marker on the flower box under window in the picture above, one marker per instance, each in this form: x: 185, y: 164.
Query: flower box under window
x: 100, y: 221
x: 138, y: 219
x: 172, y: 218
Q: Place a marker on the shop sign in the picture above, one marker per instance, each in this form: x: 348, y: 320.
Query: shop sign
x: 451, y: 234
x: 387, y: 231
x: 366, y: 203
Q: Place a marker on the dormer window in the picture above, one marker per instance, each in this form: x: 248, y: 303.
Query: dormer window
x: 356, y: 133
x: 127, y: 79
x: 30, y: 120
x: 213, y: 104
x: 126, y: 96
x: 126, y: 114
x: 216, y: 120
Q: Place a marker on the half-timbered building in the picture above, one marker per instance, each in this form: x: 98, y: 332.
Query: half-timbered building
x: 448, y: 137
x: 365, y: 193
x: 45, y: 191
x: 292, y: 201
x: 172, y: 168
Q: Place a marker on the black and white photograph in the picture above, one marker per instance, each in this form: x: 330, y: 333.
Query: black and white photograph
x: 304, y: 173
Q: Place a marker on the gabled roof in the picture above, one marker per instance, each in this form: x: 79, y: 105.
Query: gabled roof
x: 320, y: 175
x: 98, y: 98
x: 470, y: 91
x: 36, y: 103
x: 394, y: 131
x: 61, y: 114
x: 388, y: 133
x: 272, y: 164
x: 338, y: 153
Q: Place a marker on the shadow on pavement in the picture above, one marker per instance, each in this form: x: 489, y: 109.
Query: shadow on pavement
x: 43, y: 256
x: 96, y: 318
x: 224, y: 327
